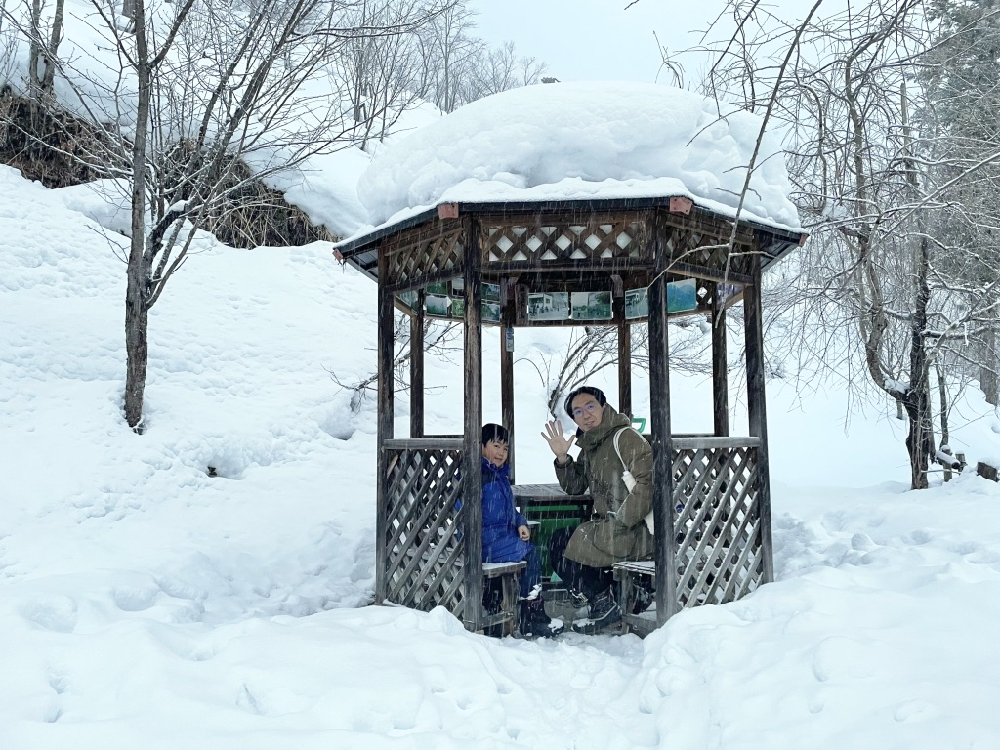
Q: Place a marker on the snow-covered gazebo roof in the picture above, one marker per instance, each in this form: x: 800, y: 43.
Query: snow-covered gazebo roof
x: 582, y: 147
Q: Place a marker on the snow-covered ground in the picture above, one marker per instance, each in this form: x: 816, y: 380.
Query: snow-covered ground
x: 146, y: 604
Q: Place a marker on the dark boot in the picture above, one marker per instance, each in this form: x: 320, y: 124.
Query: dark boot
x: 604, y: 612
x: 533, y: 622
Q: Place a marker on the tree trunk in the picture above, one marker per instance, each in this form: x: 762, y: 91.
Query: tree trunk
x: 920, y: 439
x: 137, y: 291
x: 943, y: 404
x: 136, y: 319
x: 34, y: 62
x: 48, y: 77
x: 989, y: 383
x: 917, y: 401
x: 34, y: 49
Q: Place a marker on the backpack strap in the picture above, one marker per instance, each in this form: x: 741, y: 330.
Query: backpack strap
x: 615, y: 440
x: 649, y: 516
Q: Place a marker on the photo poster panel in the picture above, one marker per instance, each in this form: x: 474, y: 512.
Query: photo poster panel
x: 446, y: 299
x: 590, y: 305
x: 636, y: 303
x: 682, y: 296
x: 437, y: 300
x: 489, y: 307
x: 408, y: 298
x: 548, y: 306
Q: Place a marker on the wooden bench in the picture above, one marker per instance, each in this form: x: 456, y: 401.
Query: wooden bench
x: 637, y: 586
x: 636, y: 578
x: 507, y: 575
x: 502, y: 578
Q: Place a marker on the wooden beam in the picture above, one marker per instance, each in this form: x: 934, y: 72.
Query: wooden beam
x: 709, y: 274
x: 472, y: 510
x: 417, y: 368
x: 659, y: 413
x: 571, y: 268
x: 720, y: 366
x: 709, y: 442
x: 757, y: 406
x: 386, y: 417
x: 625, y: 368
x: 427, y: 443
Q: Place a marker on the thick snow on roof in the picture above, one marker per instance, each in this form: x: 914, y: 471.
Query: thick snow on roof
x: 583, y: 140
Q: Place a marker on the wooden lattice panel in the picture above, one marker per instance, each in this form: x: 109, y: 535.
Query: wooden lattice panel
x: 595, y: 239
x: 696, y: 248
x: 424, y: 550
x: 423, y: 252
x: 717, y: 530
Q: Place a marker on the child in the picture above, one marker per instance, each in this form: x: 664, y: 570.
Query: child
x: 506, y: 534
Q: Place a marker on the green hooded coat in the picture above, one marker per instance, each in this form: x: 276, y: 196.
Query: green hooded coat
x: 622, y: 535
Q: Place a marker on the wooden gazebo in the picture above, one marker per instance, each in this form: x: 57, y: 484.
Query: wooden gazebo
x: 574, y: 262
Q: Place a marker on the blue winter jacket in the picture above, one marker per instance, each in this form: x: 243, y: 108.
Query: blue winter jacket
x: 500, y: 518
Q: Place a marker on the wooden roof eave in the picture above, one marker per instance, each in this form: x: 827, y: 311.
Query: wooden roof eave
x: 362, y: 252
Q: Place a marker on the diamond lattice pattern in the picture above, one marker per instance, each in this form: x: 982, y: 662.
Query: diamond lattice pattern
x: 719, y: 553
x: 561, y: 242
x: 424, y: 551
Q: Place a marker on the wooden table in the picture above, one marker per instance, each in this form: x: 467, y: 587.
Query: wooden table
x: 527, y: 495
x: 547, y: 509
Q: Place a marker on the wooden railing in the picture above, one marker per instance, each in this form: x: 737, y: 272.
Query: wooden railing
x: 424, y: 548
x: 719, y: 548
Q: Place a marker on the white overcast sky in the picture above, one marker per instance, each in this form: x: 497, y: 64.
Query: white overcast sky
x: 596, y: 39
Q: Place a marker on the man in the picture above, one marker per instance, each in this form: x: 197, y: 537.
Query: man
x: 616, y: 465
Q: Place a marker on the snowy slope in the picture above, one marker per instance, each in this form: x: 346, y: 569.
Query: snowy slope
x: 146, y: 604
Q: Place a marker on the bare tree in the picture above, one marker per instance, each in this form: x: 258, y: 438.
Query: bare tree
x: 500, y: 69
x: 871, y: 190
x: 43, y: 46
x: 42, y: 28
x: 963, y: 104
x: 182, y: 161
x: 448, y: 49
x: 211, y: 96
x: 383, y: 70
x: 440, y: 340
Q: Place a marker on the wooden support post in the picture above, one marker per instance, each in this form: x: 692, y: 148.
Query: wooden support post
x: 507, y: 318
x: 386, y: 418
x: 625, y: 368
x: 624, y: 354
x: 757, y: 405
x: 417, y: 369
x: 659, y: 414
x: 720, y: 367
x: 472, y: 510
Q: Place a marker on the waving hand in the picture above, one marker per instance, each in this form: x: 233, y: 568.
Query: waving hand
x: 560, y: 446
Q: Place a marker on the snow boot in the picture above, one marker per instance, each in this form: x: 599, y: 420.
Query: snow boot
x: 578, y: 599
x: 534, y: 622
x: 604, y: 612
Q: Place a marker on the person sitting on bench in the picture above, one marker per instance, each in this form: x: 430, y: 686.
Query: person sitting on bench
x: 506, y: 533
x: 616, y: 465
